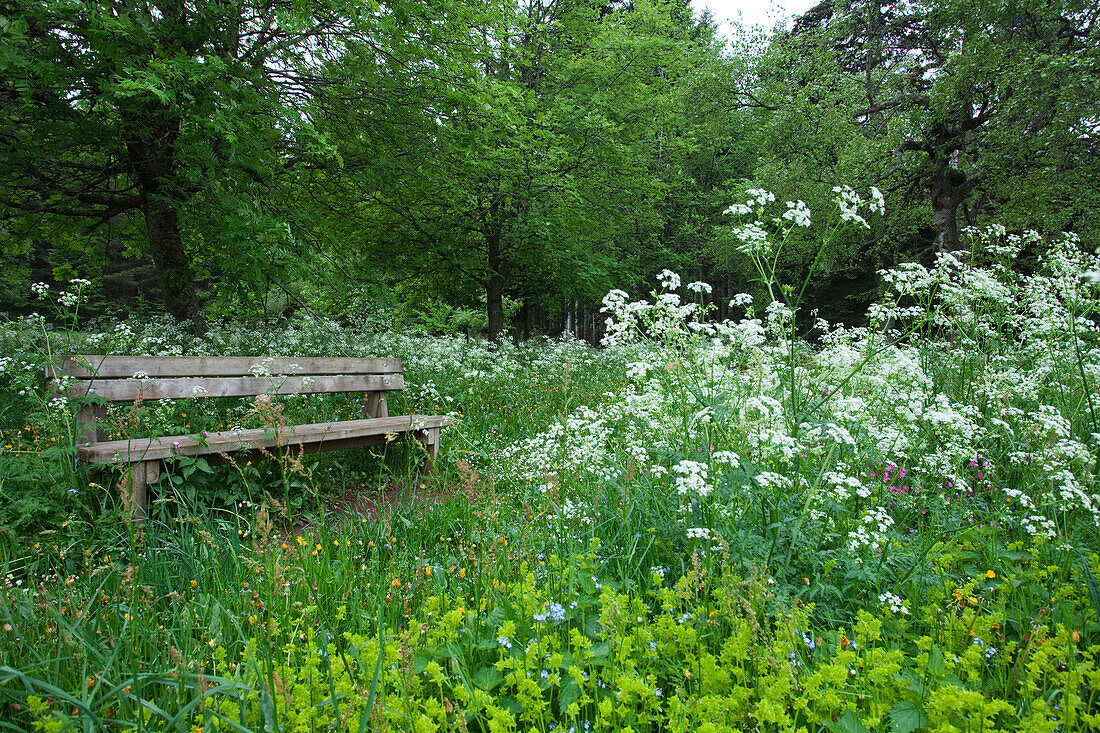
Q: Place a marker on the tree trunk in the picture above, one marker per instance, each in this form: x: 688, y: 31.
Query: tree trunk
x: 494, y: 287
x: 181, y: 297
x: 152, y: 163
x: 526, y: 316
x: 949, y: 189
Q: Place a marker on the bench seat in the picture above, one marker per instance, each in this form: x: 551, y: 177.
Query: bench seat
x: 312, y: 437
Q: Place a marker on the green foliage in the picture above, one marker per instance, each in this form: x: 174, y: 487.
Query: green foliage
x: 878, y: 532
x: 939, y: 103
x: 296, y: 637
x: 709, y: 524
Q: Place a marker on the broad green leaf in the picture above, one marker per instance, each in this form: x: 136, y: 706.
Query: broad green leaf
x: 906, y: 717
x: 487, y: 678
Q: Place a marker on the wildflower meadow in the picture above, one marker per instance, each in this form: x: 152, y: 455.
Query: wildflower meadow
x: 768, y: 522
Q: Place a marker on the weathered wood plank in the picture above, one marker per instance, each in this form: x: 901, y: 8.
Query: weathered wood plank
x: 133, y: 492
x: 111, y: 367
x: 128, y: 390
x: 431, y: 445
x: 217, y: 459
x: 375, y: 405
x: 89, y: 421
x: 149, y: 449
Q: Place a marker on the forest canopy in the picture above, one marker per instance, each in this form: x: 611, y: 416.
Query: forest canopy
x: 499, y: 165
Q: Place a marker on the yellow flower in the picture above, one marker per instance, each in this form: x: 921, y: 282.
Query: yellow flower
x: 990, y: 574
x: 194, y: 583
x: 462, y: 572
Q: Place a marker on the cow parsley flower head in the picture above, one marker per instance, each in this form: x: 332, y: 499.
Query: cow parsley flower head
x: 797, y: 212
x: 668, y: 301
x: 893, y: 602
x: 878, y: 202
x: 754, y: 239
x: 692, y: 478
x: 759, y: 197
x: 849, y: 201
x: 669, y: 280
x: 741, y: 299
x: 614, y: 300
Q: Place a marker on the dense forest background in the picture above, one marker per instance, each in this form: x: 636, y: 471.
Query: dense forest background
x: 498, y: 165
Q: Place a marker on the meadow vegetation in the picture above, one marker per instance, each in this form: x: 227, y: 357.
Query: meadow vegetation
x: 702, y: 525
x: 734, y: 448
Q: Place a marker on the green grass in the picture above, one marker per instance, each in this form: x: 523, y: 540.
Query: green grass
x: 689, y: 530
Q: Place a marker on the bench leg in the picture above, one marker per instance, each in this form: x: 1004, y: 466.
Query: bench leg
x: 134, y: 488
x: 431, y: 445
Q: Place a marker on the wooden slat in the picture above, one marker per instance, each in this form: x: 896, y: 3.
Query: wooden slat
x: 340, y: 434
x: 128, y: 390
x: 216, y: 459
x: 111, y: 367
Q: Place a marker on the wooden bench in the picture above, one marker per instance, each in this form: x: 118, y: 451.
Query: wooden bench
x: 137, y: 378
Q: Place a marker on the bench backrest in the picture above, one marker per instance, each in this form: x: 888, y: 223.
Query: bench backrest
x: 130, y: 378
